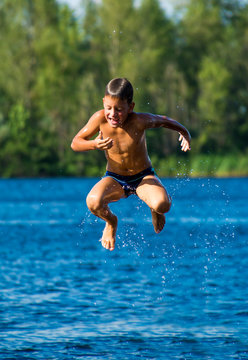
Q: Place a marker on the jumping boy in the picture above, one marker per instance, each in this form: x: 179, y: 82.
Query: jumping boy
x: 121, y: 135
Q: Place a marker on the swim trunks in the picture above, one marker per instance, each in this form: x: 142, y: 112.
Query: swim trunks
x: 131, y: 182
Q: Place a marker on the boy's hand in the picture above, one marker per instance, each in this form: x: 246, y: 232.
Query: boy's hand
x: 185, y: 142
x: 103, y: 144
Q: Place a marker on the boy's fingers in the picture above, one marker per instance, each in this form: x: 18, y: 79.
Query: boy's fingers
x: 108, y: 141
x: 99, y: 136
x: 105, y: 144
x: 184, y: 145
x: 184, y: 140
x: 104, y: 141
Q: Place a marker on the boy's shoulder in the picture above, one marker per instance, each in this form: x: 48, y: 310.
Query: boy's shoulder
x: 98, y: 117
x: 141, y: 120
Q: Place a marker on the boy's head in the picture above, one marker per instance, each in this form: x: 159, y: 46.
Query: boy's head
x: 118, y: 101
x: 120, y: 88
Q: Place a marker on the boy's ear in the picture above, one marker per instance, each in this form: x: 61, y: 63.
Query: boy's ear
x: 131, y: 107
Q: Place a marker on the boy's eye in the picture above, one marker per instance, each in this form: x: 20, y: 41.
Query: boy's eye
x: 110, y: 108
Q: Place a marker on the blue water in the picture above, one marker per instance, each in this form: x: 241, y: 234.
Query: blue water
x: 182, y: 294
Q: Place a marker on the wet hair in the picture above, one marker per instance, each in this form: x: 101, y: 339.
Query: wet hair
x: 120, y: 88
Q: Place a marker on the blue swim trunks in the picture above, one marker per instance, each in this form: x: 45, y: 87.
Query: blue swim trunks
x: 130, y: 183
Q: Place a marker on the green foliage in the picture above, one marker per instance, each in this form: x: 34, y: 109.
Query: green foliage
x: 214, y: 81
x: 54, y: 67
x: 18, y: 116
x: 219, y: 165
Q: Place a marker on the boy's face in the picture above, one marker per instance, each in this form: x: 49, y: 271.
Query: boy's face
x: 116, y: 110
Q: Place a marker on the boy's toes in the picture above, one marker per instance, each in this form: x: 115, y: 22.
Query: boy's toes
x: 158, y: 221
x: 108, y: 237
x: 112, y: 246
x: 108, y: 245
x: 105, y: 244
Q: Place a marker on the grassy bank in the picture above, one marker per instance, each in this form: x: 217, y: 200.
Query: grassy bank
x: 202, y: 165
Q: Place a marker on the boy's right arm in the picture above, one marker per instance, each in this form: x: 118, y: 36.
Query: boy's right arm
x: 82, y: 141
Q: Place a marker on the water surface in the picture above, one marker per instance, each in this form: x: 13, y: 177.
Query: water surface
x: 181, y: 294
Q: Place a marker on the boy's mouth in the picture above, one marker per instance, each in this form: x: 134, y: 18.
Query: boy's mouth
x: 114, y: 122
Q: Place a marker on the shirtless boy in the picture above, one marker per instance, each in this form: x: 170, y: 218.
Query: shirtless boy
x: 121, y: 135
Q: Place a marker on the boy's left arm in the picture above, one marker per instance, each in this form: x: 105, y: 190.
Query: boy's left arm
x: 156, y: 121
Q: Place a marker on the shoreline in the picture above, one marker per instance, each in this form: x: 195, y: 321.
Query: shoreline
x: 175, y: 166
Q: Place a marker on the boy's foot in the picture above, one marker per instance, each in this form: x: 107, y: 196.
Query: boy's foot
x: 158, y: 221
x: 108, y: 235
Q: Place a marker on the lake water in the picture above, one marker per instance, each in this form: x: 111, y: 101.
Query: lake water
x: 182, y: 294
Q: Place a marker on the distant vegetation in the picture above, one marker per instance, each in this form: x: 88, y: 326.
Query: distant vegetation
x: 54, y: 66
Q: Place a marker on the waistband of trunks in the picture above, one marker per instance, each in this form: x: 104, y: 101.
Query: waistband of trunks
x: 130, y: 178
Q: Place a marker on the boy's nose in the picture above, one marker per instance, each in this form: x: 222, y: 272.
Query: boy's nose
x: 113, y: 112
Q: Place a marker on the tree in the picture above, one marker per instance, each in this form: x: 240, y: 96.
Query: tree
x: 40, y: 68
x: 214, y: 83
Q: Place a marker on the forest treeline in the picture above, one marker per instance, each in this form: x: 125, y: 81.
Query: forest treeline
x: 55, y: 63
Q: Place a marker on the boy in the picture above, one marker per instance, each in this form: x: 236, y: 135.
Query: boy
x: 122, y: 138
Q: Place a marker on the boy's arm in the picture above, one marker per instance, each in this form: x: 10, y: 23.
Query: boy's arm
x: 156, y: 121
x: 82, y: 142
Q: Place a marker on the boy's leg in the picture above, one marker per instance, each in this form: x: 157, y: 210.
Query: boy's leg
x: 152, y: 192
x: 104, y: 192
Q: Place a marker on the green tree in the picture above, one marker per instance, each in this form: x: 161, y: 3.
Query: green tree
x: 117, y: 21
x: 41, y: 65
x: 235, y: 52
x: 214, y: 83
x: 54, y: 68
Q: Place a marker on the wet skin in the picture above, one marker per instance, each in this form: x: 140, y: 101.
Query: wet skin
x: 121, y: 135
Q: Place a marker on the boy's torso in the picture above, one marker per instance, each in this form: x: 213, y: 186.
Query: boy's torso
x: 128, y: 155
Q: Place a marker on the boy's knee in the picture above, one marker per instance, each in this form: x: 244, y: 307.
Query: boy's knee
x: 93, y: 203
x: 162, y: 206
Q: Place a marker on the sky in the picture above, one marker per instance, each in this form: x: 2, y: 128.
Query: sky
x: 166, y: 4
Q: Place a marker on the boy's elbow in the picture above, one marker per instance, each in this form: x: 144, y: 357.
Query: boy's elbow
x: 78, y: 144
x: 74, y: 145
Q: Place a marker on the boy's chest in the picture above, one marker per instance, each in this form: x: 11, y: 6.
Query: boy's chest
x: 124, y: 140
